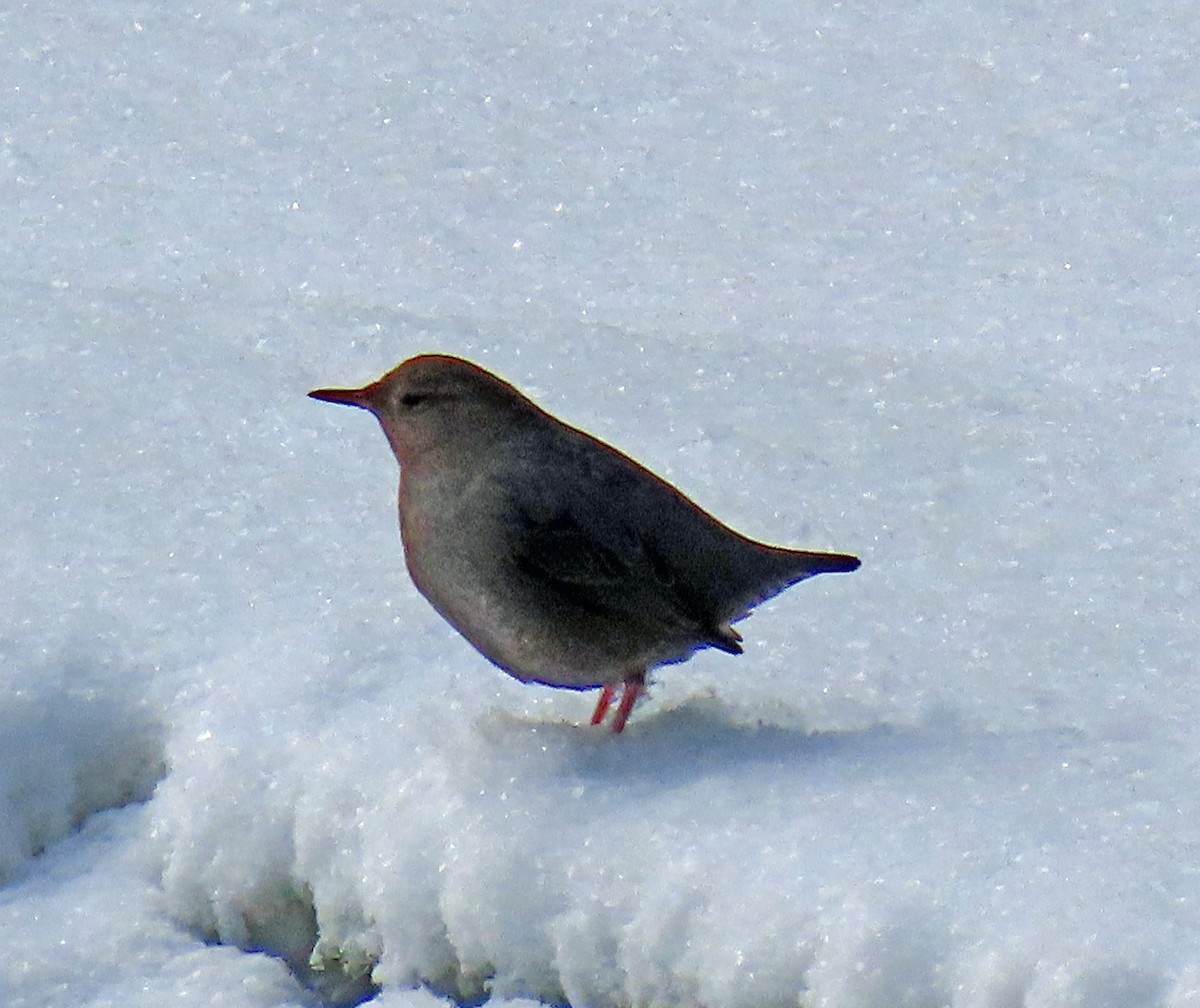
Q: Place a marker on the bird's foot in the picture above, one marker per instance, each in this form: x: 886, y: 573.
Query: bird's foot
x: 633, y: 687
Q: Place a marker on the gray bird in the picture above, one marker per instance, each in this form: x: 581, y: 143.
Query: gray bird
x: 560, y: 559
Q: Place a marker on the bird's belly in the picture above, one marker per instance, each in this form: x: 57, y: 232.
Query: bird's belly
x: 502, y: 618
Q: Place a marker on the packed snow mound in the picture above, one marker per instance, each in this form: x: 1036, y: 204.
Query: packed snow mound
x: 700, y: 859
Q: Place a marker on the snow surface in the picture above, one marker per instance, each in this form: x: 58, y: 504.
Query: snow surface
x: 918, y: 284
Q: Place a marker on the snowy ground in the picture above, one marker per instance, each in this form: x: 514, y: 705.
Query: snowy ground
x: 918, y: 285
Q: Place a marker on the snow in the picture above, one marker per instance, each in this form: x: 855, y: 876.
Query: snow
x: 916, y: 284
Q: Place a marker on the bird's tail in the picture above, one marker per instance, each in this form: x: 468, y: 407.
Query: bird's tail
x: 777, y: 568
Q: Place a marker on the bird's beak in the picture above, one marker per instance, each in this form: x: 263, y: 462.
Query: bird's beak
x: 360, y: 397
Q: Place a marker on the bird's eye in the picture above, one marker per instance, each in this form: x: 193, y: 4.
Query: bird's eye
x: 412, y: 399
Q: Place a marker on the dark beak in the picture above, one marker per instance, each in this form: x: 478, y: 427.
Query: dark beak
x: 360, y: 397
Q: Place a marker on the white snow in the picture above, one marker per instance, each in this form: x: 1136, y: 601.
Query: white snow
x: 917, y: 284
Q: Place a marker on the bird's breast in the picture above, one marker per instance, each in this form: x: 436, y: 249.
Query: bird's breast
x: 450, y: 548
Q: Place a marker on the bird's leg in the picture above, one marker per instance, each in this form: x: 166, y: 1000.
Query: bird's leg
x: 633, y: 688
x: 606, y: 696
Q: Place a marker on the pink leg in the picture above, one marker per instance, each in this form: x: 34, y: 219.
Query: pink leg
x: 633, y: 688
x: 606, y: 696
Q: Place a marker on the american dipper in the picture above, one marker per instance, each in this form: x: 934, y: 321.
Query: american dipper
x: 560, y: 559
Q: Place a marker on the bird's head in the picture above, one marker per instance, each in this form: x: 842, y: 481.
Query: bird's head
x: 436, y: 406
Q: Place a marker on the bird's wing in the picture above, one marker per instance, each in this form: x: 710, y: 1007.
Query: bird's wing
x: 556, y: 548
x: 592, y: 559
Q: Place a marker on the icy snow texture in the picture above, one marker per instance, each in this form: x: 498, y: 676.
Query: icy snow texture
x: 919, y: 285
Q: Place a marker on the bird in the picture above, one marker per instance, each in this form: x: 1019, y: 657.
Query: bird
x: 559, y: 558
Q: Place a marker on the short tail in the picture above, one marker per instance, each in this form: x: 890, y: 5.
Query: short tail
x: 765, y: 571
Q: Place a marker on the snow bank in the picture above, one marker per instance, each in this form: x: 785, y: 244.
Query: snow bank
x: 702, y: 860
